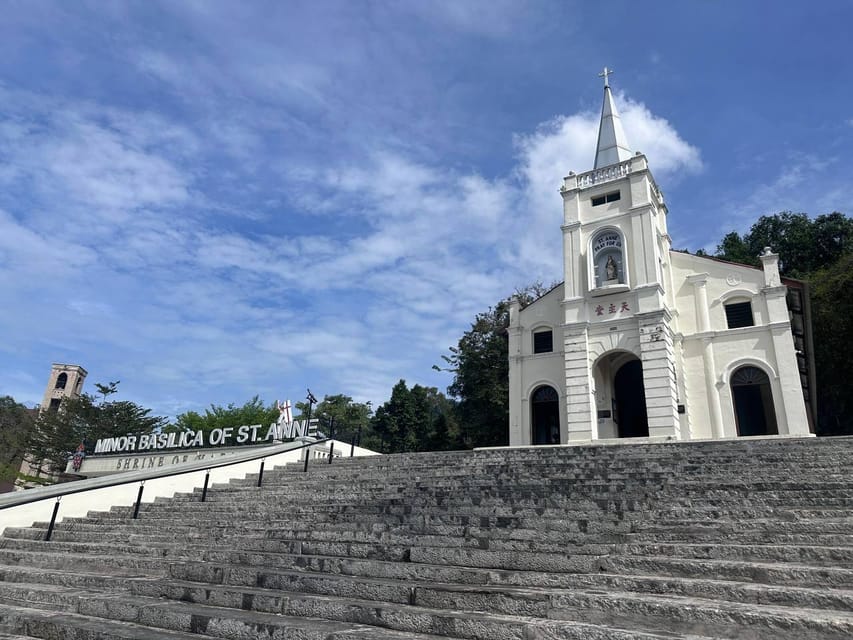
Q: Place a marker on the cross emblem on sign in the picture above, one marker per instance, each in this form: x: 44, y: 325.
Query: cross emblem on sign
x: 284, y: 411
x: 604, y: 75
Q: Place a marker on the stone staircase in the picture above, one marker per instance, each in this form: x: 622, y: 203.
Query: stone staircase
x: 746, y: 540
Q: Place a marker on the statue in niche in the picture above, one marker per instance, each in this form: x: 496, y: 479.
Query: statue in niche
x: 610, y: 269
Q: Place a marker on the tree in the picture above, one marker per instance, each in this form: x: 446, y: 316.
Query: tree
x: 107, y: 389
x: 416, y: 419
x: 57, y: 433
x: 340, y: 416
x: 832, y: 315
x: 804, y: 245
x: 16, y: 423
x: 735, y: 249
x: 480, y: 366
x: 252, y: 412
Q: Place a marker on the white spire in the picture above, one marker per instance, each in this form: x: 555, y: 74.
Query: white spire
x: 612, y: 144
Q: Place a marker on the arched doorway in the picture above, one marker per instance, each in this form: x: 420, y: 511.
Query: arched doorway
x: 629, y: 401
x: 753, y: 402
x: 545, y: 415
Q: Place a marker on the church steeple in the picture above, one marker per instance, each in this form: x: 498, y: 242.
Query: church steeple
x: 612, y: 144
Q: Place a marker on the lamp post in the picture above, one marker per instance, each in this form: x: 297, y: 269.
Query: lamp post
x: 311, y: 402
x: 369, y: 412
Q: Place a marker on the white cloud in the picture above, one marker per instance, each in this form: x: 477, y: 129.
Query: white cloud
x: 654, y: 136
x: 567, y: 143
x: 168, y: 282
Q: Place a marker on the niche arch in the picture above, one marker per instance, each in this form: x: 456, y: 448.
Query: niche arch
x: 608, y: 260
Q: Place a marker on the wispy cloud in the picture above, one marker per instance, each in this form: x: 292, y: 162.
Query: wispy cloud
x: 567, y: 143
x: 397, y: 253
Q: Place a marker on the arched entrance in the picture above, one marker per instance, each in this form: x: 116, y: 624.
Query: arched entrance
x: 753, y: 402
x: 629, y: 401
x: 545, y: 415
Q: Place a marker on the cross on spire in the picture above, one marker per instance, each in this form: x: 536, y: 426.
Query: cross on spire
x: 612, y: 147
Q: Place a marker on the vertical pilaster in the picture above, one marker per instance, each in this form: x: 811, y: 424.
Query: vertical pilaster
x: 794, y: 419
x: 774, y: 292
x: 703, y: 325
x: 711, y: 388
x: 580, y: 424
x: 518, y: 435
x: 658, y: 358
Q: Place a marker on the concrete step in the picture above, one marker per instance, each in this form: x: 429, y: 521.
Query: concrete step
x: 697, y: 615
x: 113, y: 564
x: 432, y: 602
x: 31, y: 623
x: 746, y: 539
x: 287, y: 610
x: 403, y: 507
x: 481, y: 551
x: 226, y: 564
x: 715, y: 569
x: 192, y: 622
x: 152, y: 540
x: 401, y: 590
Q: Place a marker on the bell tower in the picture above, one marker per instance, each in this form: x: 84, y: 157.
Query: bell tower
x: 66, y: 381
x: 615, y: 261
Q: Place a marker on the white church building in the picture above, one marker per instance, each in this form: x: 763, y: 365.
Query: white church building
x: 643, y: 341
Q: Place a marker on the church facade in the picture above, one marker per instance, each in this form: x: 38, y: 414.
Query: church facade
x: 643, y: 341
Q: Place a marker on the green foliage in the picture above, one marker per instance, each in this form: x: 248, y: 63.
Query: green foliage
x: 481, y: 378
x: 804, y: 245
x: 736, y: 249
x: 57, y: 433
x: 107, y: 389
x: 480, y: 366
x: 16, y: 423
x: 340, y: 416
x: 416, y: 419
x: 217, y: 417
x: 832, y: 319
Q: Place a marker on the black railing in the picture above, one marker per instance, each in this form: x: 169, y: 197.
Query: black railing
x: 60, y: 491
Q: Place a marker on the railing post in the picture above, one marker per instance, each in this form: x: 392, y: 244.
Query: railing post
x: 52, y: 520
x: 204, y: 489
x: 352, y: 447
x: 307, y: 452
x: 138, y: 499
x: 261, y: 472
x: 331, y: 450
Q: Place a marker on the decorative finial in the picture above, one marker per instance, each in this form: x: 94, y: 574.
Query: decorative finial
x: 604, y: 75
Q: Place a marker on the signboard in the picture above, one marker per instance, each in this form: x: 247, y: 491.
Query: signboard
x: 606, y: 241
x: 284, y: 428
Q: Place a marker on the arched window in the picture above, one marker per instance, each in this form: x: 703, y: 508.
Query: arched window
x: 753, y: 402
x: 608, y: 259
x: 545, y: 415
x: 61, y: 381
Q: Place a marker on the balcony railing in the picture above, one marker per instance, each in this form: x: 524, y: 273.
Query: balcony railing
x: 605, y: 174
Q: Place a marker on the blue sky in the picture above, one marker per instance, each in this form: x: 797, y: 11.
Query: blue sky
x: 211, y: 200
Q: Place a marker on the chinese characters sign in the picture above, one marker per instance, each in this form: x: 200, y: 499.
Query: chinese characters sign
x: 612, y: 308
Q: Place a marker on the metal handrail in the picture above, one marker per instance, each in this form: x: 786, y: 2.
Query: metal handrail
x: 70, y: 488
